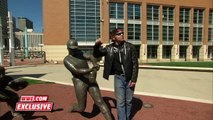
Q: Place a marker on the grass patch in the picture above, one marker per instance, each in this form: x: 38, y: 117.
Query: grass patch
x: 33, y: 81
x: 183, y: 64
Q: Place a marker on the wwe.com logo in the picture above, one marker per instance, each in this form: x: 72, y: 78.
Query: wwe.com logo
x: 34, y: 103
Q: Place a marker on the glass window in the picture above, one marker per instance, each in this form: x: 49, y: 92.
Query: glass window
x: 197, y: 34
x: 210, y: 36
x: 153, y: 32
x: 195, y: 52
x: 84, y: 18
x: 182, y: 51
x: 210, y: 52
x: 116, y: 10
x: 211, y: 17
x: 134, y: 31
x: 198, y: 16
x: 184, y: 33
x: 168, y: 33
x: 152, y: 51
x: 167, y: 51
x: 184, y: 15
x: 134, y: 11
x: 168, y: 14
x: 152, y: 13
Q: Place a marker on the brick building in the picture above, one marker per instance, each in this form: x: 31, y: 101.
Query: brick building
x: 161, y: 30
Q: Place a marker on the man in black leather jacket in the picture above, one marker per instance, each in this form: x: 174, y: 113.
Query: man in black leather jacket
x: 121, y: 61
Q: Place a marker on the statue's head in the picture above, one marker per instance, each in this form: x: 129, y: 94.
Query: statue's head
x: 72, y: 44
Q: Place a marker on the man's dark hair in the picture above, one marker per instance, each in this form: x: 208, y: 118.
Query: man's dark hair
x: 114, y: 31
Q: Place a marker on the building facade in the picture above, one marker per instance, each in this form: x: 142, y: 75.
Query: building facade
x: 3, y: 15
x: 23, y: 23
x: 161, y: 30
x: 34, y: 40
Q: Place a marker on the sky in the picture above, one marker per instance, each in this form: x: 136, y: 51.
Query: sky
x: 31, y: 9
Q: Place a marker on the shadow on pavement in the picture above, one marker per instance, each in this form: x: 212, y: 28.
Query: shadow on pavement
x: 27, y: 75
x: 7, y: 116
x: 137, y: 104
x: 96, y: 110
x: 27, y: 116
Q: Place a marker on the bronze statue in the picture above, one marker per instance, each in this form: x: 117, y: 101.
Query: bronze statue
x: 7, y: 95
x: 84, y: 79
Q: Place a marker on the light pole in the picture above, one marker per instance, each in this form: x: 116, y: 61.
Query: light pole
x: 1, y: 45
x: 11, y: 40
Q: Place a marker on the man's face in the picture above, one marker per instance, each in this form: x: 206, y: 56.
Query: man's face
x: 119, y: 36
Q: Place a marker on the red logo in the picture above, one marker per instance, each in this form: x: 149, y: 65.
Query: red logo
x: 34, y: 103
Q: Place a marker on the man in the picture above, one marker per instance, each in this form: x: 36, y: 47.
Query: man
x: 121, y: 61
x: 84, y: 79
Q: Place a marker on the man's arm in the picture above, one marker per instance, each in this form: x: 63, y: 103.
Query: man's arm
x: 134, y: 58
x: 98, y: 50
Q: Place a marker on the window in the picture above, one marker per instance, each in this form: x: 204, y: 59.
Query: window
x: 168, y: 33
x: 84, y: 20
x: 134, y: 11
x: 198, y: 25
x: 152, y: 51
x: 134, y: 23
x: 168, y: 14
x: 210, y: 37
x: 182, y: 51
x: 184, y: 15
x: 167, y: 51
x: 134, y: 31
x: 197, y: 34
x: 184, y: 34
x: 210, y: 52
x: 211, y: 17
x: 153, y: 32
x: 210, y: 34
x: 152, y: 13
x: 198, y: 16
x: 195, y: 52
x: 116, y: 10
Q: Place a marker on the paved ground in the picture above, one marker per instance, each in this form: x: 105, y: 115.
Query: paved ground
x: 175, y: 95
x: 63, y: 96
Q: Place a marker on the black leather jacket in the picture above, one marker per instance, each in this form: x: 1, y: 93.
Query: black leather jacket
x: 129, y: 59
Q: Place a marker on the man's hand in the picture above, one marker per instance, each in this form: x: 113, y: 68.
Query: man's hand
x: 131, y: 84
x: 98, y: 41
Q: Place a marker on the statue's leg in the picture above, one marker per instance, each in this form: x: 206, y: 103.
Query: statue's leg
x: 96, y: 96
x: 81, y: 95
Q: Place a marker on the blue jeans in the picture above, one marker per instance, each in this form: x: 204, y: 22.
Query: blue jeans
x: 124, y: 95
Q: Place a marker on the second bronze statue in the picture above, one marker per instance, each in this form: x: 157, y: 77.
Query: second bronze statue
x: 84, y: 79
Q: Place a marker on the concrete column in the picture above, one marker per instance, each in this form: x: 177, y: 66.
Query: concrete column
x: 159, y: 52
x: 143, y: 53
x: 203, y: 53
x: 175, y: 53
x: 189, y: 53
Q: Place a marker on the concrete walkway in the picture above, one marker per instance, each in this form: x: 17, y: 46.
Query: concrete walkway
x: 192, y: 84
